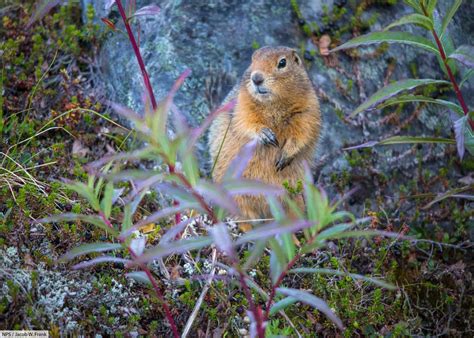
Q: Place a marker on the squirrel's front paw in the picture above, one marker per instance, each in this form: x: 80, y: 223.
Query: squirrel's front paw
x: 268, y: 137
x: 283, y: 162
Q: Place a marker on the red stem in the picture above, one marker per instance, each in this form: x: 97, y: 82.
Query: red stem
x: 136, y: 49
x: 209, y: 211
x: 282, y: 275
x: 158, y: 292
x: 457, y: 90
x: 146, y: 78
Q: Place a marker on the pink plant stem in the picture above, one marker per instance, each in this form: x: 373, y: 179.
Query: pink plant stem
x: 157, y: 289
x: 457, y: 90
x: 257, y: 313
x: 146, y: 78
x: 136, y: 49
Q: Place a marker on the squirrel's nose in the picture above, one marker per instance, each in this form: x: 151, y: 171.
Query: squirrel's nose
x: 257, y: 78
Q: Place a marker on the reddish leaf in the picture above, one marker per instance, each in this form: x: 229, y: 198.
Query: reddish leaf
x: 148, y: 10
x: 109, y: 23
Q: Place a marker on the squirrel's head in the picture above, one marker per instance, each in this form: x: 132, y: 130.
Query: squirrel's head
x: 276, y: 73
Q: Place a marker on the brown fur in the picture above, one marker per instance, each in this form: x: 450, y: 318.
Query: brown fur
x: 291, y: 111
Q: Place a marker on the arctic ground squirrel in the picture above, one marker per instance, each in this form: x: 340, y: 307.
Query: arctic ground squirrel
x: 277, y: 105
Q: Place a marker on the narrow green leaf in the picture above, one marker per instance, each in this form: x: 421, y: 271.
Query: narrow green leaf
x: 282, y: 304
x: 85, y: 191
x: 277, y: 259
x: 312, y: 300
x: 256, y: 253
x: 449, y: 15
x: 372, y: 280
x: 334, y: 230
x: 90, y: 248
x: 389, y: 37
x: 106, y: 202
x: 217, y: 195
x: 430, y: 6
x: 393, y: 89
x: 174, y: 248
x: 464, y: 54
x: 410, y: 139
x: 403, y: 140
x: 420, y: 98
x: 191, y: 168
x: 466, y: 77
x: 417, y: 19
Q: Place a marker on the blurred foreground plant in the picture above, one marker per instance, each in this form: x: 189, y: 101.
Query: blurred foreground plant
x: 115, y: 189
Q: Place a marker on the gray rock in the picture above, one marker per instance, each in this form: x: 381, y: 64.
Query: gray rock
x: 215, y: 39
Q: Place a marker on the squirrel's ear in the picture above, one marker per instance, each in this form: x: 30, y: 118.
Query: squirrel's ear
x: 296, y: 57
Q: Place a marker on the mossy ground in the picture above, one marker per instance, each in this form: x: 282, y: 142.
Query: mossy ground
x: 48, y: 70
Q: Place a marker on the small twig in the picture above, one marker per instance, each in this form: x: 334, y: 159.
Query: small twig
x: 205, y: 289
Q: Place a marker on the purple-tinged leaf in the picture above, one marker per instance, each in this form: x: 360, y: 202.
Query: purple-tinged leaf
x: 312, y: 300
x: 459, y: 127
x: 196, y: 133
x: 89, y: 248
x: 127, y: 113
x: 41, y: 10
x: 273, y: 229
x: 250, y: 187
x: 174, y: 248
x: 116, y: 194
x: 222, y: 239
x: 148, y: 10
x: 369, y: 144
x: 180, y: 123
x: 171, y: 234
x: 240, y: 162
x: 109, y: 23
x: 165, y: 212
x: 133, y: 155
x: 217, y: 195
x: 98, y: 260
x: 137, y: 245
x: 143, y: 186
x: 72, y: 217
x: 332, y: 272
x: 177, y: 84
x: 139, y: 276
x: 177, y: 192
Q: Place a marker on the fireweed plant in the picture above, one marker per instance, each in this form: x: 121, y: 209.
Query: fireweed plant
x: 115, y: 188
x: 441, y: 45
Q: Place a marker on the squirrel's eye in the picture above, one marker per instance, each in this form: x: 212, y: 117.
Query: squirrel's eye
x: 282, y: 63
